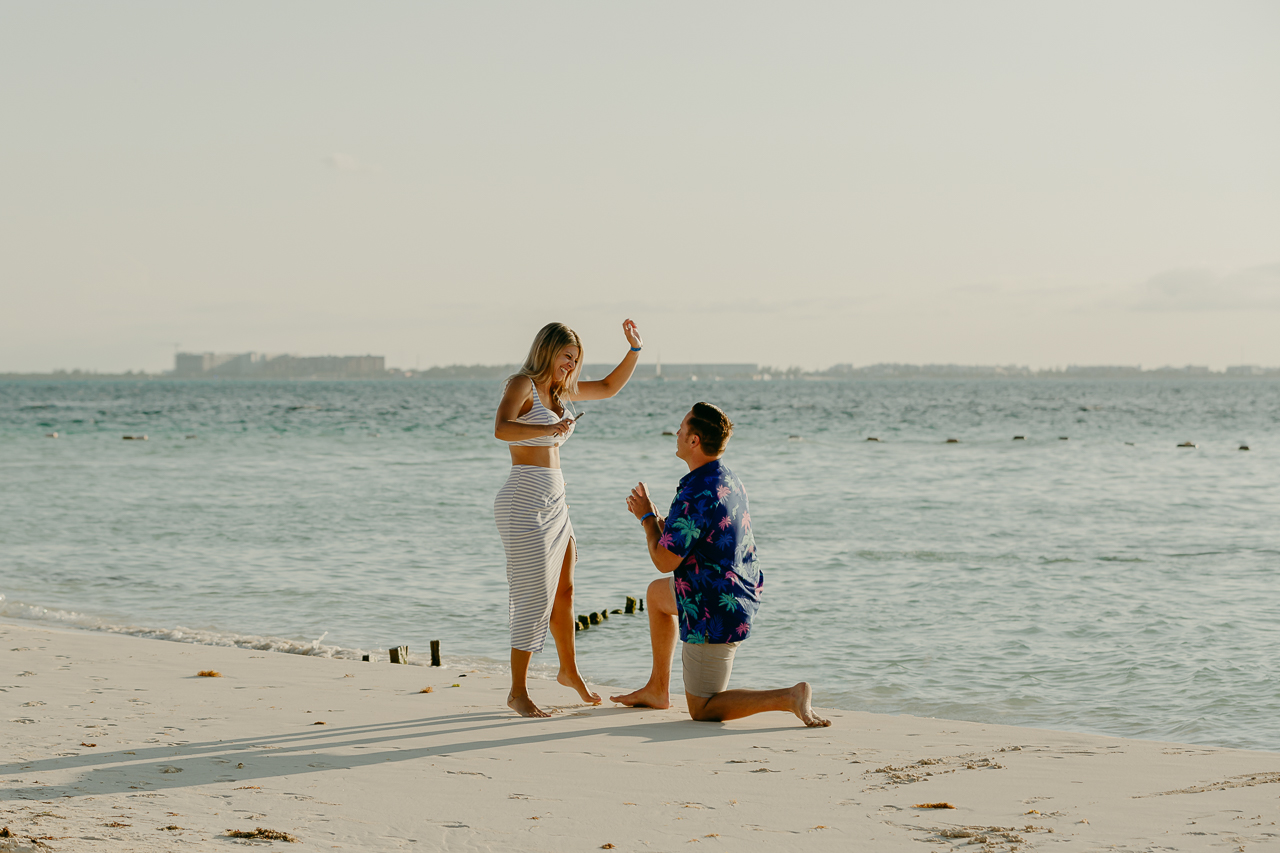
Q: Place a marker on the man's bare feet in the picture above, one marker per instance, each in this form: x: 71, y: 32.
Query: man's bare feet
x: 646, y: 697
x: 524, y: 706
x: 573, y: 680
x: 801, y: 705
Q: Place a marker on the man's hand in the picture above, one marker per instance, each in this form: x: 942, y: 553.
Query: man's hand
x: 639, y: 502
x: 640, y: 505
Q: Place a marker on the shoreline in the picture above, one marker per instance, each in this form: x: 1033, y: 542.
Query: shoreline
x: 115, y: 739
x: 543, y: 671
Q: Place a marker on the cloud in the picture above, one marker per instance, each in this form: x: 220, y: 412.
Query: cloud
x: 347, y: 163
x: 1252, y: 289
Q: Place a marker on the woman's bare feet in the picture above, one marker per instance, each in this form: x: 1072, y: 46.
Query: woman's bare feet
x: 646, y: 697
x: 573, y: 680
x: 801, y: 705
x: 524, y: 706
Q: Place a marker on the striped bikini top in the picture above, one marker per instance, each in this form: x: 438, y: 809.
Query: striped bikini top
x: 540, y: 414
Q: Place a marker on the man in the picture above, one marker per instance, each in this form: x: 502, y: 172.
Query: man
x: 705, y: 545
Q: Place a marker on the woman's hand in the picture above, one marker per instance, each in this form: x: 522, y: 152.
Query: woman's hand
x: 633, y: 334
x: 561, y: 427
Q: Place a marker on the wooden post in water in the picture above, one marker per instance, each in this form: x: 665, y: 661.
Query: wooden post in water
x: 435, y: 652
x: 631, y: 605
x: 399, y: 654
x: 584, y: 622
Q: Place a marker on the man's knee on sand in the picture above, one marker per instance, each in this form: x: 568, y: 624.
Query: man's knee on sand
x: 698, y: 709
x: 707, y: 667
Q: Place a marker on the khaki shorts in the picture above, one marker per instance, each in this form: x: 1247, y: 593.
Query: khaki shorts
x: 707, y: 667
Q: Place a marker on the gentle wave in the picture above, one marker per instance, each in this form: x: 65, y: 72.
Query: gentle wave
x: 26, y: 612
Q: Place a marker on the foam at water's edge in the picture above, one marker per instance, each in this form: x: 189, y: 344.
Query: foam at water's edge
x: 65, y: 618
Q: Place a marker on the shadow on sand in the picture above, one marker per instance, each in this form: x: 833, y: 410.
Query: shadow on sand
x: 313, y: 750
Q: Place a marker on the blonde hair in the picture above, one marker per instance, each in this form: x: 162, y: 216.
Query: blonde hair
x: 540, y: 364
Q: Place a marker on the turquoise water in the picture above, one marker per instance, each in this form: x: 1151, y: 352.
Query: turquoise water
x: 1110, y: 583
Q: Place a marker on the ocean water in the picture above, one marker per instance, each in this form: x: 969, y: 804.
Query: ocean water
x: 1111, y: 582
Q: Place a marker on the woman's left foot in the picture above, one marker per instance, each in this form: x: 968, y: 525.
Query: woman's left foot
x: 575, y: 682
x: 524, y: 706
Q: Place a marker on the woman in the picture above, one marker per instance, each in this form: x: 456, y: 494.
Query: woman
x: 532, y: 515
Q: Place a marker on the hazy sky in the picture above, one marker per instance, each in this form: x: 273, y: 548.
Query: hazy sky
x: 785, y: 183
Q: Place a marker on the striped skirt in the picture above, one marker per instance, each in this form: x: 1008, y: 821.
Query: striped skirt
x: 533, y: 521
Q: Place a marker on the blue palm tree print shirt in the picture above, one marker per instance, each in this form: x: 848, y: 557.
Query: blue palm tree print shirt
x: 718, y: 584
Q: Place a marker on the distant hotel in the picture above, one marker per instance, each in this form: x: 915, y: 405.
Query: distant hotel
x: 599, y: 371
x: 256, y: 365
x: 680, y: 371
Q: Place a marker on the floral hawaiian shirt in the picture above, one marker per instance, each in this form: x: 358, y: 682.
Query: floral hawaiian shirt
x: 718, y: 584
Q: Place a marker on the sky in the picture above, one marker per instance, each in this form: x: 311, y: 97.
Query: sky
x: 791, y: 184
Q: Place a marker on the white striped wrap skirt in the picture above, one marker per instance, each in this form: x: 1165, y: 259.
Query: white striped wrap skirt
x: 533, y: 521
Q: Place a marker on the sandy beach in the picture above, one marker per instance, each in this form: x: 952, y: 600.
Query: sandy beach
x: 116, y: 743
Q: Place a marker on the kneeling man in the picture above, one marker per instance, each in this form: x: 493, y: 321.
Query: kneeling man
x: 705, y: 547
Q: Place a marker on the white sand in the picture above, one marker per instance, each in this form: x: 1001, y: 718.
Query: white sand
x: 106, y: 729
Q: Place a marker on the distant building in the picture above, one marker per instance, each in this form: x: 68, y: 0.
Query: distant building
x: 256, y: 365
x: 465, y: 371
x: 678, y: 371
x: 925, y: 371
x: 711, y: 372
x: 1102, y: 371
x: 1189, y: 370
x: 199, y: 363
x: 325, y: 367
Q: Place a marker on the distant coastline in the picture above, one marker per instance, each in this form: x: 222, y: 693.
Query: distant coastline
x: 680, y: 372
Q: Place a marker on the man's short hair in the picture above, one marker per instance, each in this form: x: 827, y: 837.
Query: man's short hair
x: 712, y: 427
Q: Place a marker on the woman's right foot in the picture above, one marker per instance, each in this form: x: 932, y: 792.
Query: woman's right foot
x: 524, y: 706
x: 574, y: 681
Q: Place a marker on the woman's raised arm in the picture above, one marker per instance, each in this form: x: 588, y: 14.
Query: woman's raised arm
x: 602, y: 389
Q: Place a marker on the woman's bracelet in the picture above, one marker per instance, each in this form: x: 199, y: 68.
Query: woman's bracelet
x: 647, y: 516
x: 636, y: 349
